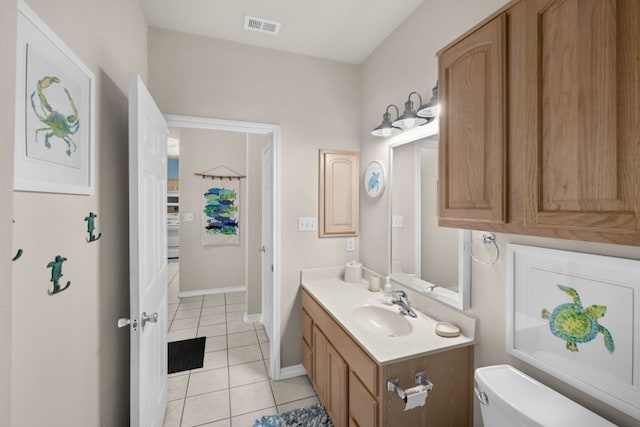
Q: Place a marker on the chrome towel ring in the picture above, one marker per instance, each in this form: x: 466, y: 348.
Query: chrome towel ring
x: 484, y: 250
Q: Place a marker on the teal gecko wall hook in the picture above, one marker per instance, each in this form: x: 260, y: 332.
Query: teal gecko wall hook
x: 56, y: 274
x: 18, y: 255
x: 91, y: 227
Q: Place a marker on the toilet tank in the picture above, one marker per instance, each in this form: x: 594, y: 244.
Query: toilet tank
x: 509, y: 398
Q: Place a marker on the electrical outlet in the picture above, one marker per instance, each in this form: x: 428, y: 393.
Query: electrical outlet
x: 397, y: 221
x: 188, y: 217
x: 350, y: 244
x: 307, y: 223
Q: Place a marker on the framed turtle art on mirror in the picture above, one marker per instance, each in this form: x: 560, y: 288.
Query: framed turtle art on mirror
x: 55, y: 91
x: 577, y: 317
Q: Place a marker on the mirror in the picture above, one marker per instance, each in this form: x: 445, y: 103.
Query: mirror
x: 432, y: 260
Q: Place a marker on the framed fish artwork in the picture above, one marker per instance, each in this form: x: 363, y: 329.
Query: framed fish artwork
x: 220, y: 212
x: 55, y: 114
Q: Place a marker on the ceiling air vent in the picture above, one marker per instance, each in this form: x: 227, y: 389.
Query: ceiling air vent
x: 261, y: 25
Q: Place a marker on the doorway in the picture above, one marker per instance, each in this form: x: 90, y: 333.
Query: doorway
x: 270, y: 286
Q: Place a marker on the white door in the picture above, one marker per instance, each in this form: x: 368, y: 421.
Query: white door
x: 148, y: 256
x: 267, y: 240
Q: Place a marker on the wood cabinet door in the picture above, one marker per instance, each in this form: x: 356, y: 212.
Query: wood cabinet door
x: 307, y: 343
x: 363, y: 408
x: 330, y: 378
x: 307, y: 359
x: 319, y: 365
x: 338, y: 407
x: 582, y: 165
x: 339, y: 193
x: 473, y: 129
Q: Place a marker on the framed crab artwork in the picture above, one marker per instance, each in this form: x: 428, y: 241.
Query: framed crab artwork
x: 577, y: 317
x: 55, y: 97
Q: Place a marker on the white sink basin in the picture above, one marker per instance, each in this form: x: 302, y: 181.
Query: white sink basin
x: 381, y: 321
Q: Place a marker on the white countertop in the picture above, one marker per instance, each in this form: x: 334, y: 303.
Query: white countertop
x: 340, y: 298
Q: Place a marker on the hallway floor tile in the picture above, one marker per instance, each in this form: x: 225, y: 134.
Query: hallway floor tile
x: 232, y: 389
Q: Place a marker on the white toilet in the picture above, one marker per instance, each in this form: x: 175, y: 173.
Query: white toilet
x: 509, y: 398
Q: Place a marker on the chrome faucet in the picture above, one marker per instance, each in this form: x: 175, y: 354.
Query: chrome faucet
x: 401, y: 299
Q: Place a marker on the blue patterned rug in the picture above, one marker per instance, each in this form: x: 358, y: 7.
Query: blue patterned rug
x: 311, y: 416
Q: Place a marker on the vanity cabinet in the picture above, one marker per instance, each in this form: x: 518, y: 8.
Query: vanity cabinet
x: 567, y: 73
x: 352, y: 386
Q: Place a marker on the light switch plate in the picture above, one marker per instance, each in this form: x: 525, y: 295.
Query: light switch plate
x: 307, y: 223
x: 397, y: 221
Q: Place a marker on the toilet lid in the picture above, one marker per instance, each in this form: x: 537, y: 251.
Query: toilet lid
x: 514, y: 393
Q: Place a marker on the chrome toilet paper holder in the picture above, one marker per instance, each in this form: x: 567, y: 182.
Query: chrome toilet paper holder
x: 420, y: 378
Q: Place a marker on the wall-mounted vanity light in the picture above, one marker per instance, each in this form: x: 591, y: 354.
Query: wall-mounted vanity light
x: 409, y: 118
x: 431, y: 109
x: 386, y: 128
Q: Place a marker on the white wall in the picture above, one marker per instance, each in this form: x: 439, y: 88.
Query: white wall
x: 210, y: 267
x: 315, y: 101
x: 70, y: 363
x: 388, y: 76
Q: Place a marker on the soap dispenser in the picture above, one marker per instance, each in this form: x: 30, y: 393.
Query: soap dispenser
x: 387, y: 296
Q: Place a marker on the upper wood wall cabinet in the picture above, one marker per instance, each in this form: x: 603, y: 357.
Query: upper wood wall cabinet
x: 582, y: 168
x: 540, y: 122
x: 472, y: 149
x: 339, y: 193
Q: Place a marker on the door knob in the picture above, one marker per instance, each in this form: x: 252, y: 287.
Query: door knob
x: 153, y: 318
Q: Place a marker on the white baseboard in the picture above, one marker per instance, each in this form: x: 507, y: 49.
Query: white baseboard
x: 292, y: 371
x: 249, y: 318
x: 215, y: 291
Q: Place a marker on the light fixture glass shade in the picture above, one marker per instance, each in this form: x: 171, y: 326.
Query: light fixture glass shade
x: 432, y: 108
x: 386, y: 128
x: 409, y: 118
x: 429, y: 111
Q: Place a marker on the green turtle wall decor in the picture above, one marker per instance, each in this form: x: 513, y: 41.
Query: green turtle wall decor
x: 56, y: 274
x: 575, y: 324
x: 91, y: 227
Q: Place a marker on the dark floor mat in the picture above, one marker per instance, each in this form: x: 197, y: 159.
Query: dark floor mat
x: 186, y: 354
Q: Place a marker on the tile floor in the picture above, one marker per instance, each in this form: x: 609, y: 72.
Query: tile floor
x: 233, y: 387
